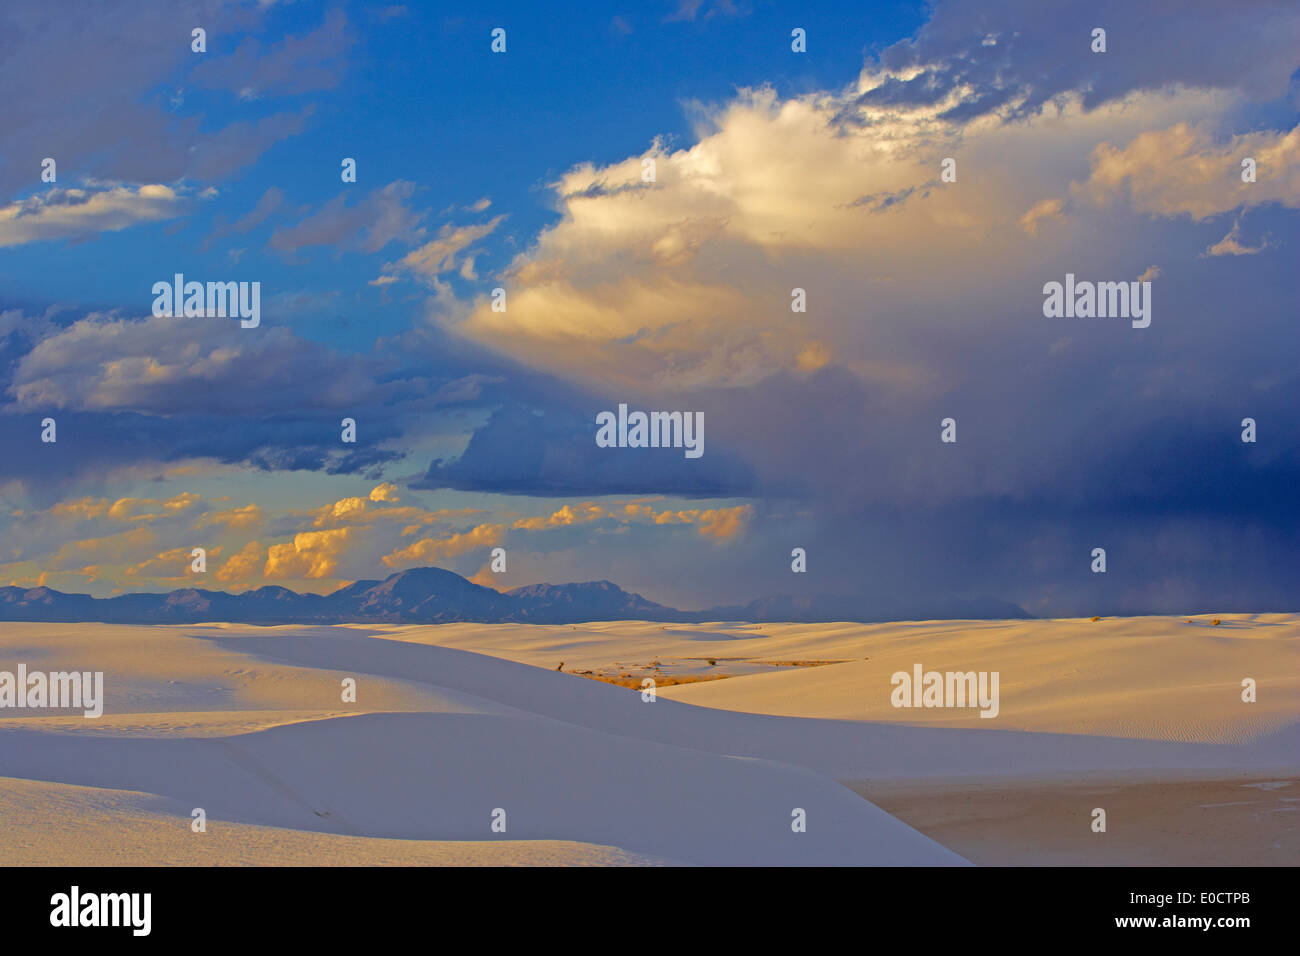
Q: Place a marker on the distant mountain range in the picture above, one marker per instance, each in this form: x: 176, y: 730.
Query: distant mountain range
x: 436, y: 596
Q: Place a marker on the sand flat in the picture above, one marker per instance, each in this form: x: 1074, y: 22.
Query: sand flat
x: 1152, y: 819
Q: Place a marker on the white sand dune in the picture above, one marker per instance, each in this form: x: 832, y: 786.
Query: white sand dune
x: 454, y: 721
x: 1159, y: 678
x: 438, y: 776
x: 52, y: 824
x: 843, y: 749
x: 1152, y: 677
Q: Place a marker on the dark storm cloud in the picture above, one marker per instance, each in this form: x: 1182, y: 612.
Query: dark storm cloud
x: 92, y: 444
x: 553, y: 453
x: 144, y: 393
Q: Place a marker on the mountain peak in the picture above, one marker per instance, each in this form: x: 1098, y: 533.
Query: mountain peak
x: 432, y: 595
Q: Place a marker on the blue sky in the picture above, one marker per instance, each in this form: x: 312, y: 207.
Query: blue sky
x: 414, y: 95
x: 776, y: 170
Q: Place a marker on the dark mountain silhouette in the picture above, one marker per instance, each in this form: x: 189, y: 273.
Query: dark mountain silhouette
x: 436, y: 596
x: 591, y: 601
x: 426, y: 595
